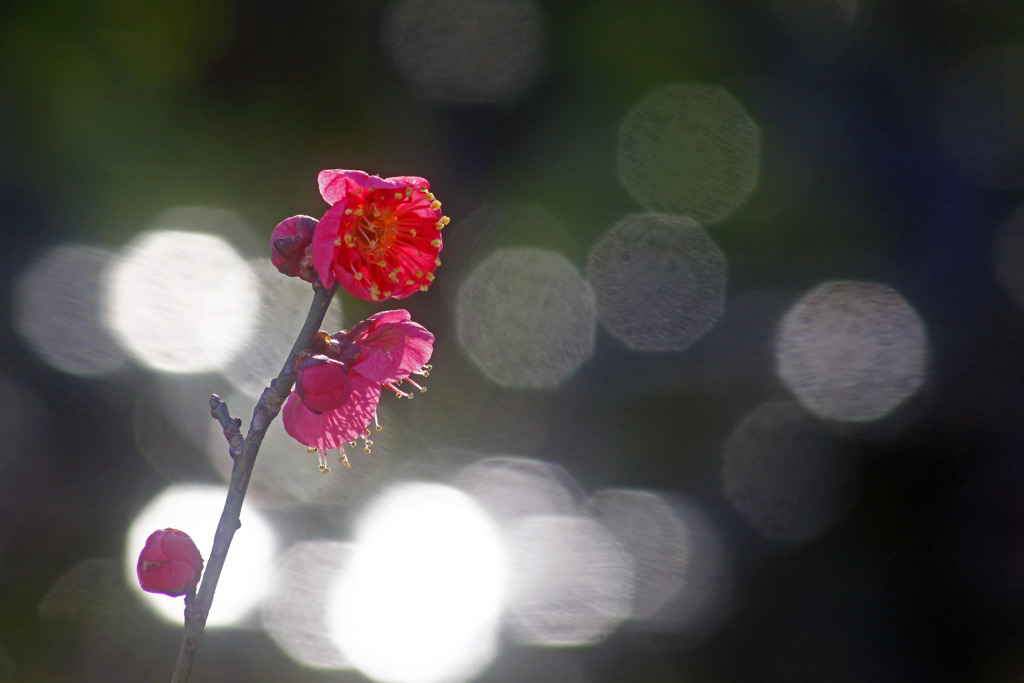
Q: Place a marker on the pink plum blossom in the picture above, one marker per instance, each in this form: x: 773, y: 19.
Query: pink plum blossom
x: 170, y: 563
x: 381, y: 237
x: 338, y: 382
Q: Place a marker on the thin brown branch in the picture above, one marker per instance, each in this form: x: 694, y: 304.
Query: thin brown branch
x: 197, y: 607
x: 232, y: 426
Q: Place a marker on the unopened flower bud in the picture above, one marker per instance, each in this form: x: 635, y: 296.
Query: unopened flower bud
x: 290, y: 247
x: 170, y: 563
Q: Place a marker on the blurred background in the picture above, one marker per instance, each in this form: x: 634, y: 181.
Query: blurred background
x: 729, y: 374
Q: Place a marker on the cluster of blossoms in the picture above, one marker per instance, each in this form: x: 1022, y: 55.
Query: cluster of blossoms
x: 381, y: 239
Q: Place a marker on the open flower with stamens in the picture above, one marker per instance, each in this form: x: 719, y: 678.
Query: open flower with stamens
x: 338, y: 382
x: 381, y: 238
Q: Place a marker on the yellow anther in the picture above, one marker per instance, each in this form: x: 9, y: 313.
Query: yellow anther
x: 359, y: 212
x: 324, y: 469
x: 398, y: 195
x: 350, y: 241
x: 337, y: 242
x: 430, y: 196
x: 387, y: 294
x: 410, y: 282
x: 446, y: 220
x: 439, y: 225
x: 430, y: 277
x: 435, y: 205
x: 311, y: 449
x: 409, y: 191
x: 348, y: 212
x: 424, y: 288
x: 419, y: 273
x: 437, y: 262
x: 358, y: 276
x: 412, y: 231
x: 435, y: 243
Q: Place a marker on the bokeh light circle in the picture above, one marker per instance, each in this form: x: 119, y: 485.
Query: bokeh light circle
x: 181, y: 301
x: 59, y: 311
x: 266, y: 347
x: 851, y: 351
x: 194, y: 509
x: 295, y: 611
x: 511, y: 488
x: 526, y: 318
x: 689, y: 149
x: 660, y: 281
x: 426, y: 580
x: 682, y: 572
x: 571, y: 582
x: 786, y: 474
x: 470, y: 51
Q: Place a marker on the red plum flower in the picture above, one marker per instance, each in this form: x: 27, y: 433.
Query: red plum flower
x: 290, y: 247
x: 170, y: 563
x: 381, y: 237
x: 338, y: 382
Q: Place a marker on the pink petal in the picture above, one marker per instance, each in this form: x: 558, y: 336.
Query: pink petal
x: 335, y: 184
x: 332, y: 428
x: 393, y: 351
x: 324, y: 386
x: 396, y: 316
x: 327, y: 232
x: 409, y: 181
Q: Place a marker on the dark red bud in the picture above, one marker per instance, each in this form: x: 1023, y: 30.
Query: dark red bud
x: 290, y: 247
x: 170, y: 563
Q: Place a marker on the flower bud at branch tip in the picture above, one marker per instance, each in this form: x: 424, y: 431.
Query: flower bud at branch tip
x: 170, y: 563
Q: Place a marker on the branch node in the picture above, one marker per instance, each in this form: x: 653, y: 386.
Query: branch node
x: 231, y: 426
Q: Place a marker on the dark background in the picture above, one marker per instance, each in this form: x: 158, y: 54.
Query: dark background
x: 883, y: 158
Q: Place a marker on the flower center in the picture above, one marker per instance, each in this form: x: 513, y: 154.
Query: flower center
x: 375, y: 224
